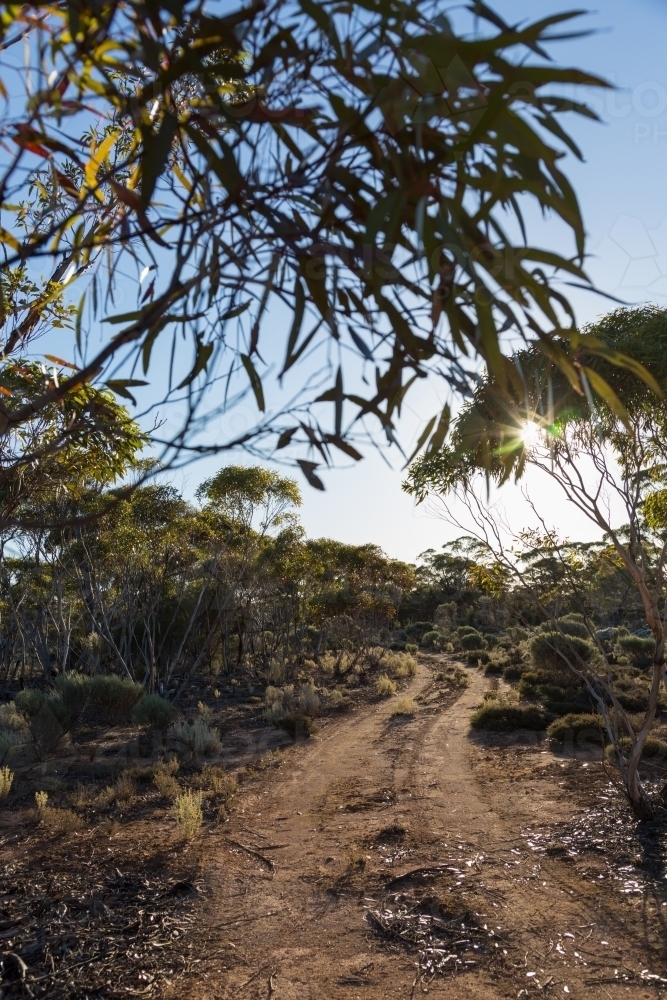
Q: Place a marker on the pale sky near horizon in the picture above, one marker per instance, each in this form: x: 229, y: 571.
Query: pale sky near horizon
x: 622, y: 190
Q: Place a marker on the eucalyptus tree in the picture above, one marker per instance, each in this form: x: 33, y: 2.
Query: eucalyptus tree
x: 609, y: 461
x: 327, y: 184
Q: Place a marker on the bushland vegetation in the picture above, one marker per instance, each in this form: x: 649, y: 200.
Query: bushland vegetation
x: 609, y: 462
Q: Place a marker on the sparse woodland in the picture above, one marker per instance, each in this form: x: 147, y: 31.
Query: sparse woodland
x: 232, y: 756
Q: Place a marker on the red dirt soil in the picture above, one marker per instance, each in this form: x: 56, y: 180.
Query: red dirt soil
x: 317, y: 840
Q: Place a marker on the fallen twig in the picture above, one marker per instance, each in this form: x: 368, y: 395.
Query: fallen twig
x: 255, y: 854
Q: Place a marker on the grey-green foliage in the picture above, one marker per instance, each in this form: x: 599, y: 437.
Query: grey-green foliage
x: 66, y: 700
x: 9, y: 740
x: 570, y: 626
x: 577, y: 727
x: 430, y: 639
x: 46, y: 730
x: 638, y: 647
x: 29, y: 701
x: 552, y: 651
x: 500, y: 716
x: 154, y: 710
x: 113, y: 697
x: 11, y: 719
x: 69, y: 697
x: 472, y: 640
x: 45, y: 716
x: 196, y: 737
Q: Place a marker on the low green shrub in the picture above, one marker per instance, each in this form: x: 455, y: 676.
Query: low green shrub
x: 496, y: 715
x: 493, y: 668
x: 477, y: 657
x: 579, y: 728
x: 430, y: 640
x: 569, y: 626
x: 72, y: 692
x: 11, y: 720
x: 46, y: 732
x: 516, y: 633
x: 472, y: 640
x: 513, y: 672
x: 550, y: 650
x: 113, y: 697
x: 29, y: 701
x: 9, y: 741
x: 155, y: 711
x: 411, y: 647
x: 296, y: 725
x: 654, y: 749
x: 417, y: 630
x: 465, y: 630
x: 559, y: 693
x: 639, y: 648
x: 635, y: 699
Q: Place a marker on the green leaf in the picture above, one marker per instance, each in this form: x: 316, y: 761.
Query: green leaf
x: 157, y: 147
x: 422, y: 440
x: 308, y: 469
x: 286, y: 437
x: 120, y: 387
x: 338, y: 399
x: 236, y: 311
x: 299, y: 306
x: 344, y: 446
x: 255, y: 381
x: 605, y: 391
x: 124, y: 317
x: 204, y: 352
x: 438, y: 439
x: 79, y: 317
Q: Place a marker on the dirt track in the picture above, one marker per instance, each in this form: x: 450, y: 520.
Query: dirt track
x: 292, y: 875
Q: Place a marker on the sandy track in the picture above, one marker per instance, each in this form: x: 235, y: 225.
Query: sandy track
x: 285, y: 916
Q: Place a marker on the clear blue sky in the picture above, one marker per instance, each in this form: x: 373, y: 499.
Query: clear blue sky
x: 623, y: 191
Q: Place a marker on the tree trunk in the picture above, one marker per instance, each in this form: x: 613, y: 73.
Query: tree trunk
x: 639, y: 800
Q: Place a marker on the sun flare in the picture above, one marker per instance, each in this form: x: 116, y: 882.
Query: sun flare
x: 531, y: 434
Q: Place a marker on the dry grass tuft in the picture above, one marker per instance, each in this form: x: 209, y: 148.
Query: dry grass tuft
x: 60, y: 820
x: 82, y: 796
x: 402, y: 665
x: 196, y: 737
x: 385, y: 686
x: 204, y: 711
x: 187, y: 811
x: 216, y: 780
x: 164, y: 780
x: 56, y: 820
x: 356, y: 859
x: 6, y: 781
x: 337, y: 699
x: 405, y: 706
x: 125, y: 790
